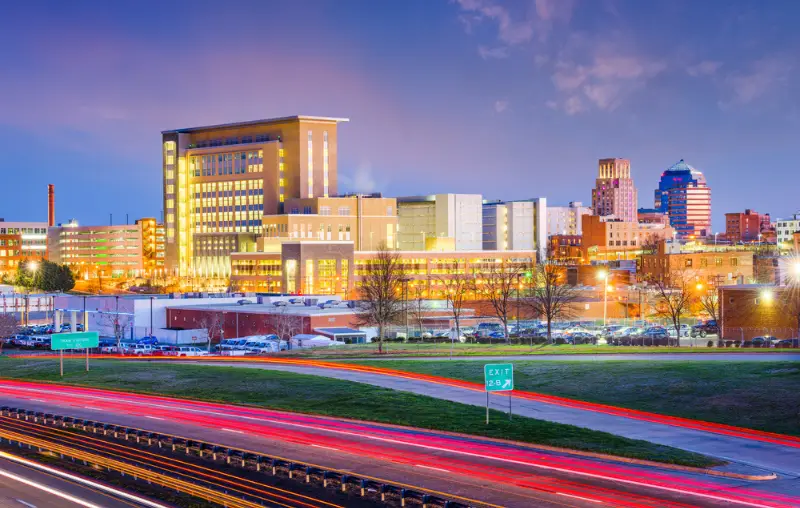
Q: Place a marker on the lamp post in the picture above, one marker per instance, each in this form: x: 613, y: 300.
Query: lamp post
x: 603, y: 276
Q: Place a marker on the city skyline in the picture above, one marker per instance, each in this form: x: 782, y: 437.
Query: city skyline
x: 537, y: 85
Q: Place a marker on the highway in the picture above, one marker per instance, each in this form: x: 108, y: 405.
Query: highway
x: 490, y: 471
x: 774, y: 453
x: 24, y: 486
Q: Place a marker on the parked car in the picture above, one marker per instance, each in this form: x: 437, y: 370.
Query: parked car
x: 655, y: 332
x: 581, y: 338
x: 191, y: 351
x: 786, y: 343
x: 138, y: 349
x: 149, y: 339
x: 710, y: 327
x: 231, y: 344
x: 685, y: 330
x: 763, y: 341
x: 165, y: 350
x: 262, y: 347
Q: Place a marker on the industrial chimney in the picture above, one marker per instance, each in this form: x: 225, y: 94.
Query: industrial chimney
x: 51, y: 205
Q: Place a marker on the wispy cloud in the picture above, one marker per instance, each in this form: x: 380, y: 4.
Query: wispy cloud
x: 509, y: 30
x: 604, y: 82
x: 489, y: 53
x: 704, y: 68
x: 762, y: 76
x: 500, y: 106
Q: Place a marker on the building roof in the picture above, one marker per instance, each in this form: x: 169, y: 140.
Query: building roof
x: 257, y: 122
x: 340, y: 331
x: 681, y: 166
x: 255, y: 308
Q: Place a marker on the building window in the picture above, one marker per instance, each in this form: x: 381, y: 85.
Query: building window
x: 389, y: 211
x: 324, y: 210
x: 734, y: 261
x: 688, y: 263
x: 718, y: 261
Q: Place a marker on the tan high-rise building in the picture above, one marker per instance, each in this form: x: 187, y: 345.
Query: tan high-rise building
x: 614, y: 193
x: 219, y: 181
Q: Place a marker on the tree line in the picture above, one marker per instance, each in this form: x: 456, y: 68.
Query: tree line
x: 539, y: 288
x: 42, y: 275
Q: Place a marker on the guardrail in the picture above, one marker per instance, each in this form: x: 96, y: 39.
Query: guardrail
x: 385, y: 490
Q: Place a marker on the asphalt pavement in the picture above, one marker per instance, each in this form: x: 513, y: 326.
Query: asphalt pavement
x: 761, y: 455
x: 24, y: 487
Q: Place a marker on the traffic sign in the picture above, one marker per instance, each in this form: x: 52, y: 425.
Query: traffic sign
x: 498, y: 377
x: 77, y: 340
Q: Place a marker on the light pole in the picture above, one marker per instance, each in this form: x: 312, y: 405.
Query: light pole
x: 603, y: 275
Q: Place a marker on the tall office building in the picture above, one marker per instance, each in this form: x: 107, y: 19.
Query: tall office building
x: 440, y: 222
x: 566, y: 220
x: 614, y: 193
x: 516, y: 225
x: 685, y: 197
x: 220, y: 180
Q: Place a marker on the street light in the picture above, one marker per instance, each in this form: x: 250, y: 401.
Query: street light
x: 603, y: 275
x: 767, y: 296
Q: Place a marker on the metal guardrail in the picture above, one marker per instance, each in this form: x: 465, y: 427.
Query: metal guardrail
x: 329, y: 478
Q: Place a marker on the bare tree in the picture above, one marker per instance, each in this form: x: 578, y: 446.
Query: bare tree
x: 501, y: 284
x: 380, y: 293
x: 120, y: 324
x: 457, y: 284
x: 8, y: 327
x: 549, y: 296
x: 709, y: 301
x: 214, y: 325
x: 674, y: 295
x: 417, y: 308
x: 284, y: 325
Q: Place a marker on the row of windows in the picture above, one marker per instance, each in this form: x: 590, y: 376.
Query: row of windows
x: 21, y: 231
x: 235, y: 163
x: 258, y: 138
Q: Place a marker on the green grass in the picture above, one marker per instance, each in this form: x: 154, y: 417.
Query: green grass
x: 400, y: 349
x: 757, y: 395
x: 318, y: 395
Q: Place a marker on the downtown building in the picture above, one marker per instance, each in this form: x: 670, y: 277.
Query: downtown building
x: 685, y: 197
x: 746, y: 227
x: 786, y: 229
x: 614, y: 193
x: 440, y: 222
x: 219, y: 181
x: 516, y: 225
x: 115, y: 251
x: 566, y: 220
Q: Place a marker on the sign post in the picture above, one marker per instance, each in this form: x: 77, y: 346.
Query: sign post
x: 76, y: 340
x: 498, y: 377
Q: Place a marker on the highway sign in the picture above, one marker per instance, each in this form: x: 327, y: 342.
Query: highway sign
x: 499, y: 377
x: 77, y: 340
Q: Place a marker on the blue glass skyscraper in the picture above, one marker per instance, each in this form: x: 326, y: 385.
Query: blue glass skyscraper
x: 684, y: 196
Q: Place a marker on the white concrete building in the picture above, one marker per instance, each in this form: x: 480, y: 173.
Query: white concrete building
x: 516, y: 225
x: 34, y: 236
x: 566, y: 220
x: 425, y: 221
x: 785, y: 228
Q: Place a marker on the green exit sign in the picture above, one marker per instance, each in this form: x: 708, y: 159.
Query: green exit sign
x: 498, y: 377
x: 77, y: 340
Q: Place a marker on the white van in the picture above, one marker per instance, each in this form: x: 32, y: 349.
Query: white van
x: 191, y: 351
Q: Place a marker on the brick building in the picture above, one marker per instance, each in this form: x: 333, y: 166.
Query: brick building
x: 746, y: 227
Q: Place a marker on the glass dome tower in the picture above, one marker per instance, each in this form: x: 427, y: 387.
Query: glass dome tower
x: 685, y: 197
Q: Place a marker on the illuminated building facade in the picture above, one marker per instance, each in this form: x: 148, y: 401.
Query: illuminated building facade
x: 367, y: 221
x: 566, y: 220
x: 323, y: 267
x: 746, y: 227
x: 33, y: 236
x: 685, y: 197
x: 440, y: 221
x: 614, y: 193
x: 219, y: 181
x: 516, y: 225
x: 10, y: 254
x: 607, y: 239
x: 152, y: 244
x: 97, y: 251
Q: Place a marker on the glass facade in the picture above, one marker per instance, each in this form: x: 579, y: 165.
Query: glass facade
x: 685, y: 197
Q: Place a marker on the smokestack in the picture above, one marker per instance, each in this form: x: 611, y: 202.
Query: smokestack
x: 51, y: 205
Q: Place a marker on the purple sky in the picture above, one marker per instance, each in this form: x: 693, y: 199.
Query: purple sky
x: 511, y: 99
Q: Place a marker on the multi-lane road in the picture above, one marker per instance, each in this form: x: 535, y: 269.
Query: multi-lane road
x: 505, y: 474
x: 25, y: 484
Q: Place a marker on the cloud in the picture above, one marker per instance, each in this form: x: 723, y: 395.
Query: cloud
x: 362, y: 180
x: 500, y: 106
x: 704, y: 68
x: 604, y: 82
x: 554, y: 10
x: 509, y: 30
x: 763, y: 76
x: 498, y: 52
